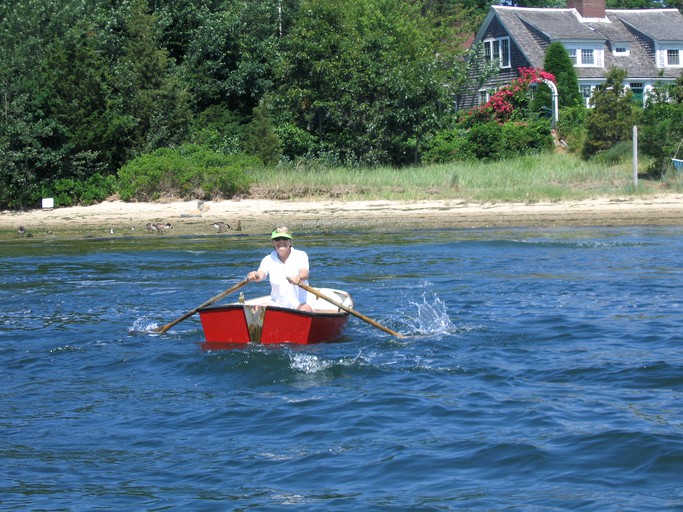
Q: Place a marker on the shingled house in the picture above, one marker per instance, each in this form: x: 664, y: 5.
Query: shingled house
x: 647, y: 43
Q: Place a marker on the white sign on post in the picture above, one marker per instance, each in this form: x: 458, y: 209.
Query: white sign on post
x: 48, y: 203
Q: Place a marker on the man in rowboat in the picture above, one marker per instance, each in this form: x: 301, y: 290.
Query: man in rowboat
x: 287, y: 267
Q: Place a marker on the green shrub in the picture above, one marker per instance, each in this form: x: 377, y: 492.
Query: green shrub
x: 97, y: 188
x: 612, y: 116
x: 261, y: 139
x: 571, y: 127
x: 485, y: 141
x: 219, y: 129
x: 490, y: 141
x: 296, y: 141
x: 188, y: 172
x: 71, y: 192
x: 621, y: 152
x: 448, y: 146
x: 661, y: 132
x: 64, y: 191
x: 520, y: 139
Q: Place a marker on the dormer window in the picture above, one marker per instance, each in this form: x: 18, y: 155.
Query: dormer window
x: 670, y: 56
x: 621, y: 51
x: 498, y: 50
x: 586, y: 57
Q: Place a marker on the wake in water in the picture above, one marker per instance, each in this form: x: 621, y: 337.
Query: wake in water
x: 432, y: 316
x: 310, y: 363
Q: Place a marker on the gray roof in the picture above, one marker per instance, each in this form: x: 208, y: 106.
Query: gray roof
x: 533, y: 29
x: 614, y: 31
x: 562, y: 24
x: 657, y: 24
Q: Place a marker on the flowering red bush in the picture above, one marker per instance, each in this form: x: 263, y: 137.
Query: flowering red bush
x: 509, y: 99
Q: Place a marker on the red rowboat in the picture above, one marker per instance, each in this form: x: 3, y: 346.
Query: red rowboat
x: 258, y: 320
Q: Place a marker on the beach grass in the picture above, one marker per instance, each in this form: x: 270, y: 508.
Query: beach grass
x: 555, y: 177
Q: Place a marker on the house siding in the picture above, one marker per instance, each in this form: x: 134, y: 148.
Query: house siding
x: 495, y: 29
x: 517, y: 60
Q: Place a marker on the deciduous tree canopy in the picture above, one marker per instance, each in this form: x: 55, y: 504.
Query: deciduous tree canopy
x: 86, y: 87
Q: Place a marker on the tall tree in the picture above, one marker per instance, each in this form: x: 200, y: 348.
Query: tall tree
x: 230, y: 59
x: 261, y: 139
x: 148, y: 96
x: 73, y: 70
x: 636, y: 4
x: 535, y: 3
x: 179, y: 19
x: 558, y: 63
x: 368, y: 77
x: 31, y: 147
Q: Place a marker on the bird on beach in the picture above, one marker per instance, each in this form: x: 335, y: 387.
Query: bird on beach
x: 220, y: 226
x: 21, y: 231
x: 160, y: 228
x: 150, y: 227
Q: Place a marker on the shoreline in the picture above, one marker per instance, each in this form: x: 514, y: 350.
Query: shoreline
x: 259, y: 216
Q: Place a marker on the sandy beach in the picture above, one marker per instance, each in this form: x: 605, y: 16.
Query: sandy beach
x: 257, y: 216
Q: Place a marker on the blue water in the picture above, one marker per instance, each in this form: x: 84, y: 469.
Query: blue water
x: 542, y: 370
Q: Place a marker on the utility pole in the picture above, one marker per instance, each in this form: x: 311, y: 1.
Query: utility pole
x: 635, y: 156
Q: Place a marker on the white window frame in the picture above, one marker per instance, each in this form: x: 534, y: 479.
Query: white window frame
x: 622, y: 50
x: 664, y: 53
x: 498, y: 49
x: 586, y: 56
x: 484, y: 96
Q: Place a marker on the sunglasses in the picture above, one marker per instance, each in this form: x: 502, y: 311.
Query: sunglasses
x: 281, y: 238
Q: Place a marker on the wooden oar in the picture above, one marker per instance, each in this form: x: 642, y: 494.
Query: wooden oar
x: 212, y: 300
x: 349, y: 310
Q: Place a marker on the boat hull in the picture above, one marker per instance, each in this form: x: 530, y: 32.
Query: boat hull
x: 234, y: 323
x: 257, y: 321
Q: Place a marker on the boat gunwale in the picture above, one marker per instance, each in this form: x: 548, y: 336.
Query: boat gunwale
x: 232, y: 306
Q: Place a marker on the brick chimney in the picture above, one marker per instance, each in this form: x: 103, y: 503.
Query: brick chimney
x: 588, y: 8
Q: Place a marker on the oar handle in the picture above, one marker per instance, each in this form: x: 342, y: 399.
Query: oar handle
x: 349, y: 310
x: 212, y: 300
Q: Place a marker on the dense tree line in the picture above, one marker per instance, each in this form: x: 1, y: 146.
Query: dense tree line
x: 87, y: 87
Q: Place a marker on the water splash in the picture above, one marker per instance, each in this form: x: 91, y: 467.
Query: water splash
x: 143, y: 325
x: 432, y: 316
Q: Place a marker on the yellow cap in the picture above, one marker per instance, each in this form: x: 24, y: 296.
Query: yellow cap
x: 281, y: 232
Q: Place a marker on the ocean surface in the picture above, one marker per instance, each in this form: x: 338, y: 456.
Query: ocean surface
x: 542, y: 370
